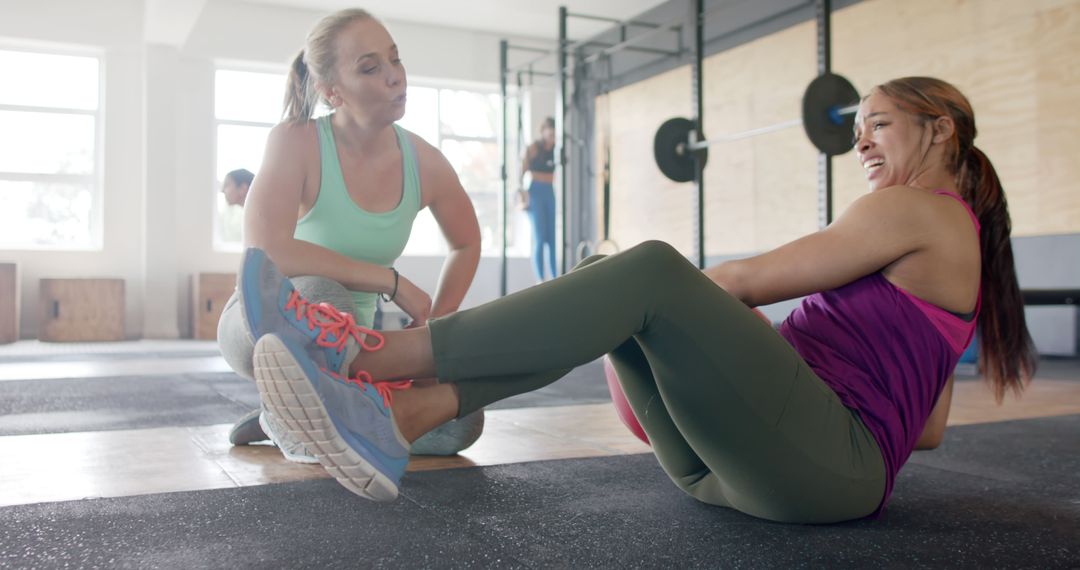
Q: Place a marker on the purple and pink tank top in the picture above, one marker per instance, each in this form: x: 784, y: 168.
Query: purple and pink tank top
x: 886, y: 353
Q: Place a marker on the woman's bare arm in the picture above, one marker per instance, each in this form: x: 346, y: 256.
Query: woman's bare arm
x: 877, y: 229
x: 456, y: 216
x: 272, y: 209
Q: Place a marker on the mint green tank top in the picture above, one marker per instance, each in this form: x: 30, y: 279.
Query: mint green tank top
x: 336, y: 222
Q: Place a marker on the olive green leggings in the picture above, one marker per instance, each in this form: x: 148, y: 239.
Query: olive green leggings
x: 735, y: 416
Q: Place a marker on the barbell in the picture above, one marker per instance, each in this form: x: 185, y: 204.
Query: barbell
x: 828, y: 116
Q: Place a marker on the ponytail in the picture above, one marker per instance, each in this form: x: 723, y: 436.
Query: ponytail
x: 299, y: 103
x: 316, y: 63
x: 1007, y: 355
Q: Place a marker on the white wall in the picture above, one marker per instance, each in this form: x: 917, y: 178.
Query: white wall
x: 159, y: 143
x: 76, y: 23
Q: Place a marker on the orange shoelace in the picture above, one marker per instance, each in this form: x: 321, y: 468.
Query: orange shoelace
x: 331, y: 321
x: 384, y: 388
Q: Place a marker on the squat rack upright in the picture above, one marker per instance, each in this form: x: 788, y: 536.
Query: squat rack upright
x: 695, y: 16
x: 564, y: 49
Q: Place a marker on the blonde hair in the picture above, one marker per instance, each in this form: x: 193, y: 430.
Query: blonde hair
x: 316, y: 62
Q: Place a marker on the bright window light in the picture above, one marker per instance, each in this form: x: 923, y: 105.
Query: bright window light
x: 422, y: 113
x: 248, y: 96
x: 48, y: 143
x: 49, y: 80
x: 50, y: 151
x: 464, y: 125
x: 239, y: 146
x: 247, y: 104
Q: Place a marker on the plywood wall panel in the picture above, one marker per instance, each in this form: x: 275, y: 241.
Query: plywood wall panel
x: 782, y: 206
x: 646, y: 205
x: 1018, y: 62
x: 1057, y: 88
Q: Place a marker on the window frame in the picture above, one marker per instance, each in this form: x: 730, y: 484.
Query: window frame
x: 486, y: 89
x: 217, y: 242
x: 96, y: 178
x: 439, y: 85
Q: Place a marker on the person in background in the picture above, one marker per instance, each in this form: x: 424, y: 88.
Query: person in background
x: 539, y: 201
x: 230, y: 218
x: 236, y: 186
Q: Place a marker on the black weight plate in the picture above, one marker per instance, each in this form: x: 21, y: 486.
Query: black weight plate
x: 670, y: 136
x: 826, y: 92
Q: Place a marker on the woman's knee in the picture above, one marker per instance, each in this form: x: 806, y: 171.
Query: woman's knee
x: 588, y: 260
x: 656, y: 248
x: 657, y: 256
x: 318, y: 289
x: 235, y: 342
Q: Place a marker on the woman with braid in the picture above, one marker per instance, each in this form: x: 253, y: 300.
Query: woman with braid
x: 807, y: 424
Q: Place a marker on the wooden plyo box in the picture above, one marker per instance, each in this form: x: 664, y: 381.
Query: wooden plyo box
x: 81, y: 310
x: 9, y: 303
x: 209, y: 293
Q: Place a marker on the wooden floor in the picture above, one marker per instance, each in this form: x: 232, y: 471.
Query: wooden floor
x: 57, y: 467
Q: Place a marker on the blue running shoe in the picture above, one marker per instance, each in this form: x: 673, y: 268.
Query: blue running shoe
x: 272, y: 305
x: 247, y: 430
x: 260, y: 425
x: 290, y: 447
x: 346, y: 422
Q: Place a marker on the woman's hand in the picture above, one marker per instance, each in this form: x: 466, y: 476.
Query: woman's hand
x: 414, y: 301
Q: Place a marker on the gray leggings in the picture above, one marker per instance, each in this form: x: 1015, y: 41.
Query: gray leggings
x: 735, y: 416
x: 238, y: 348
x: 236, y: 344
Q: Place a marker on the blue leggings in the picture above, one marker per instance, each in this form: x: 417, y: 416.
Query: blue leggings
x: 542, y: 214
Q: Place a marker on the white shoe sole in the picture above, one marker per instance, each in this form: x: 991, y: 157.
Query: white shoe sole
x: 287, y: 392
x: 284, y: 446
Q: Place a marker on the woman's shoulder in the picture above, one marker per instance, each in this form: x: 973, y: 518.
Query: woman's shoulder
x: 900, y: 200
x: 296, y: 128
x: 426, y: 153
x: 295, y: 134
x: 916, y: 211
x: 429, y: 158
x: 289, y: 140
x: 418, y: 142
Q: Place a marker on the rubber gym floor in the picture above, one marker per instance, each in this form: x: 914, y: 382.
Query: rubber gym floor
x: 116, y: 456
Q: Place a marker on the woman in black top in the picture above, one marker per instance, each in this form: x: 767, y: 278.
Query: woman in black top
x: 539, y: 163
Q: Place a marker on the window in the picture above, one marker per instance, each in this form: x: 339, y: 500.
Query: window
x: 247, y: 104
x: 464, y: 124
x: 50, y: 151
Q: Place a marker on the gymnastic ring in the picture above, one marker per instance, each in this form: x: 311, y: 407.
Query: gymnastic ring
x: 607, y: 247
x: 584, y: 247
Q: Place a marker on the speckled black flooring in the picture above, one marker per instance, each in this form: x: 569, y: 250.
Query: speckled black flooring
x: 126, y: 402
x: 1003, y: 495
x: 196, y: 399
x: 108, y: 356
